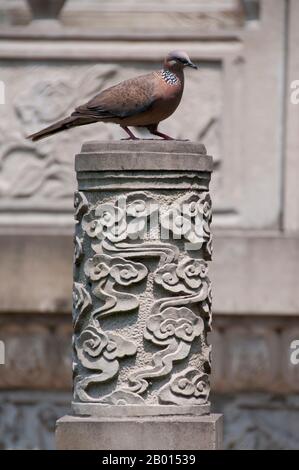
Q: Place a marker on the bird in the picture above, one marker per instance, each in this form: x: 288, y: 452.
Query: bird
x: 143, y: 101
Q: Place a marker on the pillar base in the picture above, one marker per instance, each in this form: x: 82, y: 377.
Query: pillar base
x: 122, y: 411
x: 140, y: 433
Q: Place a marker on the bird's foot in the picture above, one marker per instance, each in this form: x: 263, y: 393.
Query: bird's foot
x: 131, y: 138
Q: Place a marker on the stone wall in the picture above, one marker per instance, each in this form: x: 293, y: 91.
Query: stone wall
x: 258, y: 395
x: 238, y: 105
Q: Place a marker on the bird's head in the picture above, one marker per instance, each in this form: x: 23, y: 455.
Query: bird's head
x: 178, y: 60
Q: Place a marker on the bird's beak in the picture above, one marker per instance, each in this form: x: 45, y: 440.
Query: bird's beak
x: 193, y: 66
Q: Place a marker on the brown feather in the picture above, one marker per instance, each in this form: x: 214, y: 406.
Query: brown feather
x: 59, y: 126
x: 125, y: 99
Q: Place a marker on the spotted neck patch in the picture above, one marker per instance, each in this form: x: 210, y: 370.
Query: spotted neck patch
x: 169, y: 77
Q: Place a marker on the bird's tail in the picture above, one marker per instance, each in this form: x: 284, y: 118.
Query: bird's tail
x: 59, y: 126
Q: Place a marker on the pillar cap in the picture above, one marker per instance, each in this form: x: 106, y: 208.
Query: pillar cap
x: 151, y: 155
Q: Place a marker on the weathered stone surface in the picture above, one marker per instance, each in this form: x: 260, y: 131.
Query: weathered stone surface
x: 37, y: 354
x: 290, y: 207
x: 145, y: 156
x: 90, y: 17
x: 27, y: 418
x: 62, y: 357
x: 263, y: 272
x: 112, y: 408
x: 168, y: 433
x: 254, y: 355
x: 27, y: 256
x: 252, y: 420
x: 26, y: 355
x: 289, y: 369
x: 45, y: 9
x: 37, y: 272
x: 141, y: 292
x: 259, y: 421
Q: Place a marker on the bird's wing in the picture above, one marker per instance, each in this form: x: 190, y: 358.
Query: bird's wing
x: 126, y: 99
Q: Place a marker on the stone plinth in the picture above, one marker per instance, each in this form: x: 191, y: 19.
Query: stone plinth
x: 142, y: 297
x: 158, y: 433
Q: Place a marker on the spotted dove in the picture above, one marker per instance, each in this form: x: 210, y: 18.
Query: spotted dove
x: 143, y: 101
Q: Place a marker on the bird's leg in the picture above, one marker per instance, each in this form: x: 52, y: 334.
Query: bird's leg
x: 164, y: 136
x: 154, y: 130
x: 127, y: 130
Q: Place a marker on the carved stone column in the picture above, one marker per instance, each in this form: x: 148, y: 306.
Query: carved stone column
x: 142, y: 298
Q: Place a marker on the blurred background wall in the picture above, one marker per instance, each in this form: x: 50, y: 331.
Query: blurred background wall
x: 238, y: 105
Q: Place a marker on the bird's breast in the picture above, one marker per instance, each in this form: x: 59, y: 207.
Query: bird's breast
x: 168, y: 91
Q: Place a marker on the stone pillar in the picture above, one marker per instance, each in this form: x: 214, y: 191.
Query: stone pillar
x: 142, y: 299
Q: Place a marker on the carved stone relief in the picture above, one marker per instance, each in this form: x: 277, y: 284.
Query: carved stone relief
x: 146, y: 15
x: 142, y: 298
x: 39, y: 177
